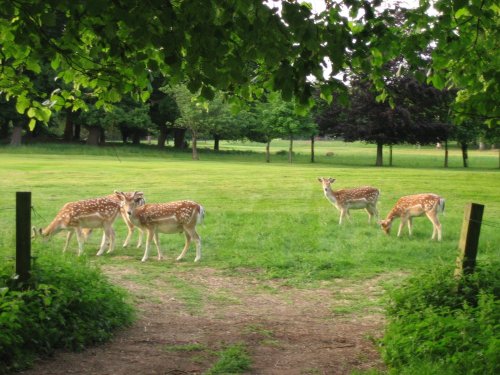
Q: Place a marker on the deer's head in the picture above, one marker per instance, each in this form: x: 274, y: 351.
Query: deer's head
x: 326, y: 182
x: 386, y: 225
x: 129, y: 201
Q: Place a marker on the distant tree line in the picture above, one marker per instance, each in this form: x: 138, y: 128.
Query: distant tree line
x: 418, y: 114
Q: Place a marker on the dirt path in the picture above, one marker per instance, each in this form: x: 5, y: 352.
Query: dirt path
x: 286, y: 330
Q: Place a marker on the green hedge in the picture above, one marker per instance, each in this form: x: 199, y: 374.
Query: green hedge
x: 69, y: 304
x: 438, y: 325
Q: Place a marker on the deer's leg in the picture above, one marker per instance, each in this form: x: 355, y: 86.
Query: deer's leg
x: 112, y: 237
x: 149, y: 236
x: 348, y: 215
x: 157, y: 243
x: 342, y: 214
x: 139, y: 242
x: 435, y: 224
x: 197, y: 239
x: 130, y: 228
x: 372, y: 211
x: 401, y: 225
x: 68, y: 238
x: 188, y: 235
x: 81, y: 240
x: 410, y: 226
x: 102, y: 246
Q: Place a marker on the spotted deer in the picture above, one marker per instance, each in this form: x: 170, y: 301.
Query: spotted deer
x: 412, y: 206
x: 86, y: 231
x: 173, y: 217
x: 89, y: 213
x: 365, y: 197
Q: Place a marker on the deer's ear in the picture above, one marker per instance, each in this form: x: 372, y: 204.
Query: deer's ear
x: 332, y: 180
x: 320, y: 179
x: 138, y: 194
x: 119, y: 194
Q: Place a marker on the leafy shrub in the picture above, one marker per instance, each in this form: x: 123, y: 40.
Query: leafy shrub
x: 437, y: 324
x: 69, y: 304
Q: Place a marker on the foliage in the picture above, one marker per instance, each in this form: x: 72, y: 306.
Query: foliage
x: 110, y: 48
x: 232, y: 360
x: 68, y: 305
x: 450, y: 326
x: 464, y: 35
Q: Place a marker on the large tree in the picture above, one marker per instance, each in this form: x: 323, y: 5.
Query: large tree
x: 110, y: 47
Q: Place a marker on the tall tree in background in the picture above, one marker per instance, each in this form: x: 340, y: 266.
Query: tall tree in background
x: 164, y: 111
x: 191, y: 114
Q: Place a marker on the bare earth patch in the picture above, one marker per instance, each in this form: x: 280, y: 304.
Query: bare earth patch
x: 286, y: 330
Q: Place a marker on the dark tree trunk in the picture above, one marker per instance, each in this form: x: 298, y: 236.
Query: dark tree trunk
x: 102, y: 137
x: 68, y: 127
x: 78, y: 129
x: 162, y: 137
x: 312, y: 148
x: 16, y: 136
x: 94, y: 136
x: 179, y: 136
x: 195, y: 145
x: 136, y: 138
x: 380, y: 155
x: 124, y: 137
x: 290, y: 150
x: 390, y: 155
x: 4, y: 130
x: 465, y: 153
x: 216, y: 142
x: 268, y: 153
x: 446, y: 154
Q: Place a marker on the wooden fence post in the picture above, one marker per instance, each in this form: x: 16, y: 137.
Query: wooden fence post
x: 23, y: 235
x: 469, y: 239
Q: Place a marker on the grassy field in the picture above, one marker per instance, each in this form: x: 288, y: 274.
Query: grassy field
x: 268, y: 218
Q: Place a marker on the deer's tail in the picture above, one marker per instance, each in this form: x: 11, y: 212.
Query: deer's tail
x: 201, y: 214
x: 441, y: 205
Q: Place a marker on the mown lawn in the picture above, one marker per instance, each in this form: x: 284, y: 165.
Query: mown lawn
x: 269, y: 218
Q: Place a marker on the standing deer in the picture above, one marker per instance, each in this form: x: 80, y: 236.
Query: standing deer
x: 86, y: 231
x: 173, y: 217
x: 365, y: 197
x: 88, y: 213
x: 415, y: 205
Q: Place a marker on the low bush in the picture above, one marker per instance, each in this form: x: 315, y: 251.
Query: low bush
x: 68, y: 304
x: 437, y: 324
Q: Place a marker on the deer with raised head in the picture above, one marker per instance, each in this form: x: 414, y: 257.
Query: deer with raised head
x: 412, y: 206
x: 364, y: 197
x: 89, y: 213
x: 86, y: 231
x: 173, y: 217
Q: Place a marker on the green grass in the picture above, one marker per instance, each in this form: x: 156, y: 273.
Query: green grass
x: 272, y: 218
x: 232, y: 360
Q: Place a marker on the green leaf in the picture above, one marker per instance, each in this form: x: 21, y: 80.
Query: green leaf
x: 437, y: 81
x: 32, y: 124
x: 55, y: 62
x: 377, y: 58
x: 22, y: 103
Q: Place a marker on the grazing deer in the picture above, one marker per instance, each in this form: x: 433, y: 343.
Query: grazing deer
x: 173, y: 217
x: 86, y: 231
x: 89, y: 213
x: 415, y: 205
x: 358, y: 198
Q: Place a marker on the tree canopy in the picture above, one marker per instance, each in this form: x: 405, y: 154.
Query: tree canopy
x: 107, y: 48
